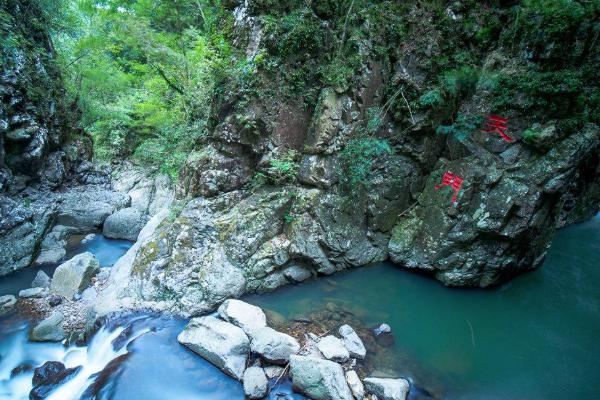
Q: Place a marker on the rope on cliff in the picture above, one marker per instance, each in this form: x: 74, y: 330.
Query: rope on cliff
x: 472, y: 333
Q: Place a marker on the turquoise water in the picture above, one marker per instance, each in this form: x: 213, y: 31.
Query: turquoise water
x: 533, y: 338
x: 108, y: 251
x: 537, y: 337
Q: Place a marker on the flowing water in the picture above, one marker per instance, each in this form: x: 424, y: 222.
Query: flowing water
x: 131, y: 357
x: 533, y: 338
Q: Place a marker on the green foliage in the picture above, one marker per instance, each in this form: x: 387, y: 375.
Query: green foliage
x: 530, y: 135
x: 296, y: 34
x: 432, y: 98
x: 284, y: 169
x: 258, y: 180
x: 545, y: 94
x: 289, y: 218
x: 338, y: 73
x: 358, y: 157
x: 374, y: 119
x: 144, y: 74
x: 461, y: 127
x: 461, y: 81
x: 546, y: 27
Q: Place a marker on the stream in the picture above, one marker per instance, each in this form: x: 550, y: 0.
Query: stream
x: 535, y: 337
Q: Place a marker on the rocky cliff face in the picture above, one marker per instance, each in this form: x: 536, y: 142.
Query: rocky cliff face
x: 40, y: 145
x: 35, y: 123
x: 274, y: 195
x: 337, y: 146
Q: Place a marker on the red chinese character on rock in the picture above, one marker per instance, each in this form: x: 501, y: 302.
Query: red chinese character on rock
x: 452, y: 180
x: 498, y: 125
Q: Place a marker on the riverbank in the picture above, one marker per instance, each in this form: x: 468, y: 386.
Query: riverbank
x: 503, y: 343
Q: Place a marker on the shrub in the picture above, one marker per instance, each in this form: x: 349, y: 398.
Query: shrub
x: 432, y: 98
x: 462, y: 126
x: 357, y: 159
x: 284, y: 169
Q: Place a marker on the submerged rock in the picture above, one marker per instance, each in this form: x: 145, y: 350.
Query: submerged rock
x: 255, y: 383
x: 319, y: 379
x: 273, y: 346
x: 387, y: 388
x: 73, y: 276
x: 49, y: 330
x: 243, y: 315
x: 382, y: 329
x: 124, y: 224
x: 333, y: 349
x: 223, y: 344
x: 21, y: 369
x: 7, y: 304
x: 352, y: 342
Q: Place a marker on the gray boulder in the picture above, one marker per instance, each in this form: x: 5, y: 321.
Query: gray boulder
x: 352, y: 342
x: 49, y: 330
x: 73, y: 276
x: 22, y: 229
x: 255, y: 383
x: 7, y: 303
x: 333, y: 349
x: 223, y: 344
x: 319, y: 379
x: 243, y: 315
x: 356, y: 386
x: 53, y: 247
x: 124, y: 224
x: 273, y: 346
x: 387, y: 388
x: 41, y: 280
x: 86, y: 207
x: 36, y: 292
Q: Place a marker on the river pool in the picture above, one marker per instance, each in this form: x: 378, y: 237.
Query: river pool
x: 536, y: 337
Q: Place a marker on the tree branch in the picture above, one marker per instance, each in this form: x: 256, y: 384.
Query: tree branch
x: 167, y: 80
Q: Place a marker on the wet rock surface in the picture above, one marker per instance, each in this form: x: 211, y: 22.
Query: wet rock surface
x: 220, y: 342
x: 50, y: 376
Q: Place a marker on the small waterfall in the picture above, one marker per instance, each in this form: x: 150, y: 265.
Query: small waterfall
x: 100, y: 352
x: 109, y: 343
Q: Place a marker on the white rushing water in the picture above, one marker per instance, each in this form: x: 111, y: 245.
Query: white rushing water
x: 92, y: 358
